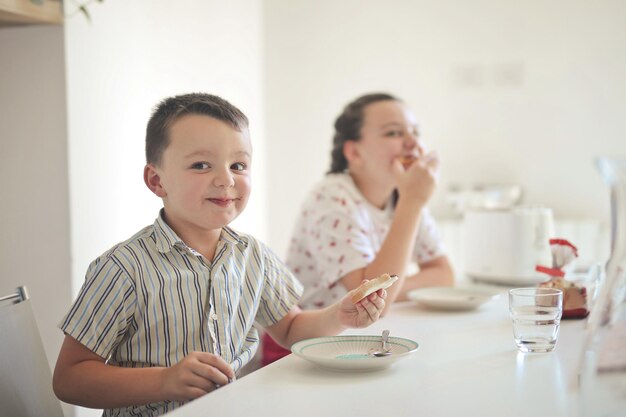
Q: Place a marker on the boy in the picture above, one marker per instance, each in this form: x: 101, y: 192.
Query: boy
x: 168, y: 315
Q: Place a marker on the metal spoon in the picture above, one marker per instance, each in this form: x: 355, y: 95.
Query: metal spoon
x: 386, y: 350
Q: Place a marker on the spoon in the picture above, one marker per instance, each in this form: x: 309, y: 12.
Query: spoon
x: 386, y: 350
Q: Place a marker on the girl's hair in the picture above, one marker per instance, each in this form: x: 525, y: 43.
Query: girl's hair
x: 173, y: 108
x: 348, y: 127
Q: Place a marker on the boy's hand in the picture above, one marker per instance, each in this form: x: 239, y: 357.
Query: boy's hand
x: 363, y: 313
x: 197, y: 374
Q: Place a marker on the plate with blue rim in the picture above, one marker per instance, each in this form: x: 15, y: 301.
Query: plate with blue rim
x: 353, y: 352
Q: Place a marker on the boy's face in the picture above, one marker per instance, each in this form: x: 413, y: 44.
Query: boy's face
x: 204, y: 174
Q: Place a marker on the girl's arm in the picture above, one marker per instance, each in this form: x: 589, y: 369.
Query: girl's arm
x: 415, y: 187
x: 394, y: 254
x: 435, y: 273
x: 83, y: 378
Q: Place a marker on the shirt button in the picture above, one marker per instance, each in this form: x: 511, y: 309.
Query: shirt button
x: 213, y: 316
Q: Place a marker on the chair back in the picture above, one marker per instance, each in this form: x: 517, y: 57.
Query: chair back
x: 25, y: 377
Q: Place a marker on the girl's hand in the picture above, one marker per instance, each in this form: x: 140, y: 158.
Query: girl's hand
x: 197, y: 374
x: 363, y: 313
x: 417, y: 182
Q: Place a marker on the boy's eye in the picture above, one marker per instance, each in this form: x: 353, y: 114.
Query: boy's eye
x: 238, y: 166
x: 200, y: 165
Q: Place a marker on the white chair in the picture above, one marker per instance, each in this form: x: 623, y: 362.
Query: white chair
x: 25, y: 377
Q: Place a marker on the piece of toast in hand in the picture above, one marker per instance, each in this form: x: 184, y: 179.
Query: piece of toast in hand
x: 373, y: 285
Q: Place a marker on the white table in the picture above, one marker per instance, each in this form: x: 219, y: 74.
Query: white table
x: 467, y: 365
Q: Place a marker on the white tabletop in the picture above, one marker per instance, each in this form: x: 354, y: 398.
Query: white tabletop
x: 467, y: 365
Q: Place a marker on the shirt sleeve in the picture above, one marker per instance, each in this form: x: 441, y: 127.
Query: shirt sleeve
x: 100, y: 315
x: 281, y: 290
x: 429, y: 244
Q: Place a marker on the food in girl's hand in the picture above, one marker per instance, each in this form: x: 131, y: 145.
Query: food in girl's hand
x: 407, y: 160
x: 373, y: 285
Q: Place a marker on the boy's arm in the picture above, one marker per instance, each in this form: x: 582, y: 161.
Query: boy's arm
x: 83, y: 378
x: 298, y: 325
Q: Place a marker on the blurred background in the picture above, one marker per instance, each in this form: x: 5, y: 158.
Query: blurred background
x: 523, y: 93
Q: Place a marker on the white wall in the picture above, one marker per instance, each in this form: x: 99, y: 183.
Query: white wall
x: 132, y: 55
x: 507, y: 92
x: 34, y: 215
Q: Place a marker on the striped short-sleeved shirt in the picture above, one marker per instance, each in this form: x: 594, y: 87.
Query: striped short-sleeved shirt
x: 151, y: 300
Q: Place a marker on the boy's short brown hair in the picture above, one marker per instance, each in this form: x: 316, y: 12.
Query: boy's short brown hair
x: 171, y: 109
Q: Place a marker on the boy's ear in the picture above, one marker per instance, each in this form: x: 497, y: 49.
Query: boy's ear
x: 153, y: 180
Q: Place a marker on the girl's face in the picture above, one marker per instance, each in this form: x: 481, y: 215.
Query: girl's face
x: 389, y: 132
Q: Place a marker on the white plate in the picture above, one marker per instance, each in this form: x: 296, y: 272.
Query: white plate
x: 351, y: 353
x: 446, y: 298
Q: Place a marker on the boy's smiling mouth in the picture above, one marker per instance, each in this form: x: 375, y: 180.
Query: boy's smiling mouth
x: 222, y: 202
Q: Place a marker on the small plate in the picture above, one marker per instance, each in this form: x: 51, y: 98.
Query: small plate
x: 446, y: 298
x: 351, y: 353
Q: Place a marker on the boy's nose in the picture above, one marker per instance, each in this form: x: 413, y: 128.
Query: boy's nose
x: 224, y: 178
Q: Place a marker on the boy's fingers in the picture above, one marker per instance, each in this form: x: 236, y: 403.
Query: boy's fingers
x: 216, y: 361
x: 211, y: 373
x: 359, y: 308
x: 218, y: 364
x: 199, y: 382
x: 377, y: 300
x: 370, y: 308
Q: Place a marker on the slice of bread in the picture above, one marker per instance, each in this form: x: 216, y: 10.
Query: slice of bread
x: 373, y: 285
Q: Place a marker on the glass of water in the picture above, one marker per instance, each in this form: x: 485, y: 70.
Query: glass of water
x: 536, y: 314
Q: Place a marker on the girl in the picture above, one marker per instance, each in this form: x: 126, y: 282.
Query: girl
x: 368, y: 215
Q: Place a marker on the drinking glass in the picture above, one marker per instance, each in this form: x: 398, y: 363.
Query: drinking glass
x: 536, y: 315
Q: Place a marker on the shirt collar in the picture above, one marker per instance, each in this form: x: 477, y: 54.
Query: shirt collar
x: 166, y: 238
x: 231, y: 237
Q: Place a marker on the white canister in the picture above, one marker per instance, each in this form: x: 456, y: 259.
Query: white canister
x: 504, y: 246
